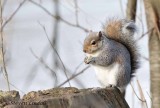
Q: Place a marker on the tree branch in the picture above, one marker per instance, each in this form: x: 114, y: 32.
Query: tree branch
x: 42, y: 62
x: 58, y: 17
x: 64, y: 69
x: 73, y: 76
x: 13, y: 14
x: 5, y: 73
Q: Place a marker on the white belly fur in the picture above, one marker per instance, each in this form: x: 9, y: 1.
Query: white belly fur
x: 106, y: 75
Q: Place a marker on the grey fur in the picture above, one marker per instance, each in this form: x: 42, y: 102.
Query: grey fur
x: 118, y: 46
x: 126, y: 37
x: 112, y: 52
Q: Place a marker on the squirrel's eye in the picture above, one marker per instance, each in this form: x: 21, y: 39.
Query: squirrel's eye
x: 93, y: 42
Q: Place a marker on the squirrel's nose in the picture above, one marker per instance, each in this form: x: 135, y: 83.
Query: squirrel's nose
x: 84, y: 50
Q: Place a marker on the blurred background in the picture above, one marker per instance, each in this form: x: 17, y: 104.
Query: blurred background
x: 41, y: 44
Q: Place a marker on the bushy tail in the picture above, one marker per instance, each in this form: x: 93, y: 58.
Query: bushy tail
x: 122, y: 31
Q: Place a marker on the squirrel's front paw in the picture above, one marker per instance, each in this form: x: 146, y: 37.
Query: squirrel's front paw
x: 110, y: 85
x: 89, y: 60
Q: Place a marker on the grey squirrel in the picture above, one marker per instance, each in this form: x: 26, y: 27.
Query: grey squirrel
x: 113, y: 53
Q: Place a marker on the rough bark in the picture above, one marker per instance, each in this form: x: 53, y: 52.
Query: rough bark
x: 7, y: 97
x: 152, y: 8
x: 69, y: 97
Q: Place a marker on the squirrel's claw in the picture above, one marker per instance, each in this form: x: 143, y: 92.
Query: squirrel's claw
x: 88, y: 60
x: 110, y: 85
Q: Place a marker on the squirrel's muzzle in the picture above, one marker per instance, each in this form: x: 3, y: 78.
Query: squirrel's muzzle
x: 84, y: 51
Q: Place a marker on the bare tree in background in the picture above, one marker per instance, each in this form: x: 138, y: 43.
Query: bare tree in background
x: 2, y: 52
x: 152, y: 8
x: 55, y: 32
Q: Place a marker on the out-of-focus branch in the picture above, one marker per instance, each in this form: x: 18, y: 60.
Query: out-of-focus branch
x: 131, y: 9
x: 4, y: 4
x: 64, y: 69
x: 121, y: 7
x: 5, y: 73
x: 149, y: 96
x: 70, y: 73
x: 76, y: 11
x: 145, y: 58
x: 149, y: 31
x: 45, y: 65
x: 58, y: 17
x: 75, y: 75
x: 74, y: 72
x: 13, y: 14
x: 17, y: 88
x: 55, y: 36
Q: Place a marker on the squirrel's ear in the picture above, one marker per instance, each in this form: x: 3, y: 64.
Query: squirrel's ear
x: 100, y: 34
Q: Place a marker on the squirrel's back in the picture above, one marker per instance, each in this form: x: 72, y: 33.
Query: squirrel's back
x: 122, y: 31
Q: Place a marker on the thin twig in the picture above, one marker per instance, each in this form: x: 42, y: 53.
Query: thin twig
x: 74, y: 76
x: 42, y: 61
x: 150, y: 30
x: 70, y: 73
x: 149, y: 96
x: 55, y: 36
x: 121, y: 7
x: 140, y: 19
x: 76, y: 11
x: 141, y: 93
x: 5, y: 73
x: 17, y: 88
x: 77, y: 68
x: 145, y: 58
x: 13, y: 14
x: 64, y: 69
x: 133, y: 99
x: 136, y: 94
x: 58, y: 17
x: 80, y: 9
x: 33, y: 71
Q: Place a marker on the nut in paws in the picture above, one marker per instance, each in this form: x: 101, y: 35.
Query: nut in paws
x: 89, y: 60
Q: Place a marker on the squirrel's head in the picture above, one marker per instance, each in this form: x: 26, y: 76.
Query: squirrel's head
x: 92, y: 42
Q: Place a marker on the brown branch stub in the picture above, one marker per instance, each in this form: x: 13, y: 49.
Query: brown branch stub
x: 131, y: 9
